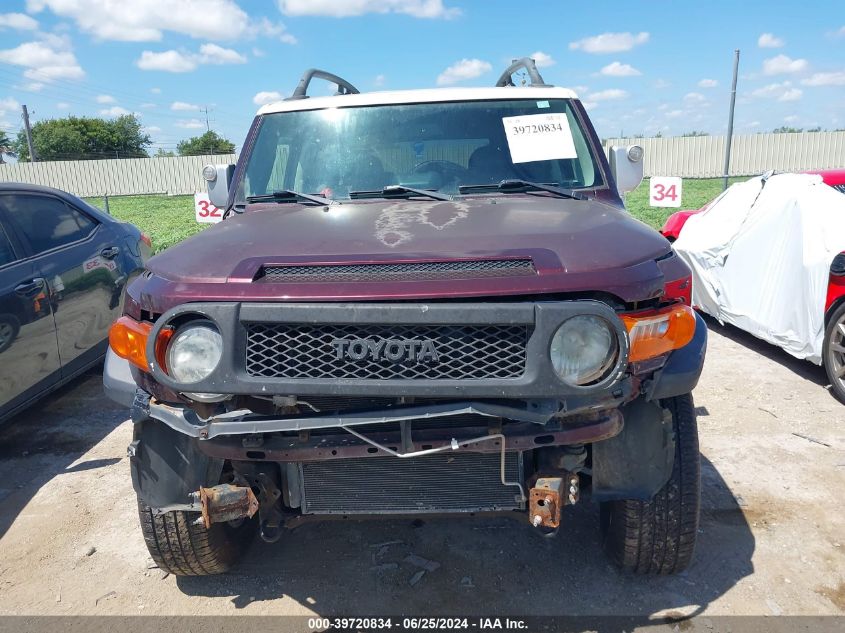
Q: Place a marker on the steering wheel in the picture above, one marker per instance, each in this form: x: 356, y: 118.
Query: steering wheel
x: 449, y: 173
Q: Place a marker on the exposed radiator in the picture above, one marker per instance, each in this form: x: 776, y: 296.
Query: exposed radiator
x: 447, y: 482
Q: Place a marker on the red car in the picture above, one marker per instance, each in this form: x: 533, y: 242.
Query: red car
x: 834, y: 341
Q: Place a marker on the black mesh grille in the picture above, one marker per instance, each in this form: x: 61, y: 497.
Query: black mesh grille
x: 399, y: 271
x: 464, y: 352
x: 840, y: 188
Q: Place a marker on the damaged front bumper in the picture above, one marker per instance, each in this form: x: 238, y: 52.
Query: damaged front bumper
x: 245, y: 422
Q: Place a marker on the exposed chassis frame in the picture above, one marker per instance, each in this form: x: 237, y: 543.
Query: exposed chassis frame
x: 518, y: 437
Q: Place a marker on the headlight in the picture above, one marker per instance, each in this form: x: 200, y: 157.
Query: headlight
x: 194, y: 352
x: 583, y: 350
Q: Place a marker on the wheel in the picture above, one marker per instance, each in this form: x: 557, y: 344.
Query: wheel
x: 9, y: 328
x: 184, y: 548
x: 833, y: 352
x: 448, y: 173
x: 658, y: 536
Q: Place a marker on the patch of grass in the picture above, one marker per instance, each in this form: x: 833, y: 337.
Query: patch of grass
x: 696, y: 193
x: 166, y: 219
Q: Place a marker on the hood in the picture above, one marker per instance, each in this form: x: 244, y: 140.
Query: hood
x: 574, y: 244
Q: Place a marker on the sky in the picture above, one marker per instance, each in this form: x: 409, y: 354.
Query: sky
x: 640, y: 67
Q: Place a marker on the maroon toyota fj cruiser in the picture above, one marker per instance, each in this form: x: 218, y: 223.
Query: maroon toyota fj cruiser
x: 425, y: 301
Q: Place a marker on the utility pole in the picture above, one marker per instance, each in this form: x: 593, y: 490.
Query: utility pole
x: 208, y: 129
x: 25, y: 115
x: 730, y: 123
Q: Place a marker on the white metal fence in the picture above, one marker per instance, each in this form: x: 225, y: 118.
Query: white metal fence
x: 689, y: 157
x: 704, y: 156
x: 118, y: 177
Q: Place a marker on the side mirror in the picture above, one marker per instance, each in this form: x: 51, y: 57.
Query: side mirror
x: 626, y: 165
x: 218, y: 177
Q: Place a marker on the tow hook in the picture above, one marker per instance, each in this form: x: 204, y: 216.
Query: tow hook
x: 548, y: 496
x: 226, y: 502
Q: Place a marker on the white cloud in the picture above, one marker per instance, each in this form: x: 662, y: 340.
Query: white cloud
x: 267, y: 96
x: 190, y: 124
x: 347, y: 8
x: 674, y: 114
x: 694, y: 97
x: 379, y: 80
x: 462, y: 70
x: 826, y: 79
x: 148, y: 20
x: 174, y: 61
x: 708, y: 83
x: 44, y: 60
x: 62, y: 105
x: 8, y: 104
x: 767, y: 40
x: 618, y: 69
x: 181, y: 106
x: 660, y: 84
x: 168, y: 61
x: 783, y: 91
x: 783, y: 65
x: 590, y: 105
x: 276, y: 30
x: 753, y: 124
x: 152, y: 129
x: 106, y: 99
x: 155, y: 91
x: 609, y: 42
x: 148, y: 106
x: 17, y: 21
x: 257, y: 52
x: 611, y: 94
x: 543, y: 60
x: 217, y: 55
x: 34, y: 86
x: 114, y: 111
x: 792, y: 118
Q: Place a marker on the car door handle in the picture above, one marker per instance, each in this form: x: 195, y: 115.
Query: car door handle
x: 29, y: 287
x: 110, y: 253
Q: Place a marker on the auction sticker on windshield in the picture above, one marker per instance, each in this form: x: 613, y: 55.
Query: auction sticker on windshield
x: 539, y: 137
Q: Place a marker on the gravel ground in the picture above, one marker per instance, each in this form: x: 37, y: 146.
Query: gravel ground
x: 772, y: 537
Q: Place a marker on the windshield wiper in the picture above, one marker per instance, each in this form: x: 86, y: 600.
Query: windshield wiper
x: 286, y: 195
x: 517, y: 185
x: 400, y: 191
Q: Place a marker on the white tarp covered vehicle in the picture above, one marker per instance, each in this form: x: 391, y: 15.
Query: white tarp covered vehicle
x: 761, y: 256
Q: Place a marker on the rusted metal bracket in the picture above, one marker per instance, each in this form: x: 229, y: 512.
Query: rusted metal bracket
x: 548, y: 496
x: 544, y: 502
x: 226, y: 502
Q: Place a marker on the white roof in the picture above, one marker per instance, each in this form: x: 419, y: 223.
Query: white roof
x: 420, y: 96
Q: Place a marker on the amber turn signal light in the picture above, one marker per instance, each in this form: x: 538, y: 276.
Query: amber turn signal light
x: 128, y: 338
x: 659, y: 332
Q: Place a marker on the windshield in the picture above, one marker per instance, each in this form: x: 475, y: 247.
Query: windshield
x: 436, y: 146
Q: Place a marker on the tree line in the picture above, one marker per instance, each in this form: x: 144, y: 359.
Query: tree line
x: 91, y: 138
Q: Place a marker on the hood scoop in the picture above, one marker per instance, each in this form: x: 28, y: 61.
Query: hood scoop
x: 396, y: 271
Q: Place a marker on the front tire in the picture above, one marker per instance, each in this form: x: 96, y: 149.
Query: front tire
x: 833, y: 352
x: 184, y: 548
x: 658, y: 536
